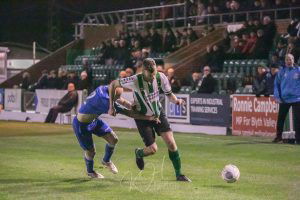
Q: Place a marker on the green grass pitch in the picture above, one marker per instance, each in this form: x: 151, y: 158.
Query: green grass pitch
x: 39, y: 161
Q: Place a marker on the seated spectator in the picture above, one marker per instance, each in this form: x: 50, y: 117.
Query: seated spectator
x: 52, y: 80
x: 25, y: 81
x: 281, y: 50
x: 174, y: 82
x: 192, y: 35
x: 194, y: 81
x: 259, y: 82
x: 270, y: 78
x: 275, y: 60
x: 208, y: 83
x: 64, y: 105
x: 83, y: 83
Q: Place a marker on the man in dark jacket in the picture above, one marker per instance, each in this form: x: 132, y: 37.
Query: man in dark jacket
x: 259, y: 82
x: 208, y: 83
x: 64, y: 105
x: 270, y: 78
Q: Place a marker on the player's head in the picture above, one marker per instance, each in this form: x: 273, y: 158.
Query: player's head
x: 289, y: 60
x: 149, y: 69
x: 71, y: 87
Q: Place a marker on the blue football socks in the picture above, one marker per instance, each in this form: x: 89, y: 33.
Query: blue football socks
x: 109, y: 150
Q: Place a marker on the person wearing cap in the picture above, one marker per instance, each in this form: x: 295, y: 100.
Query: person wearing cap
x: 270, y: 78
x: 287, y: 94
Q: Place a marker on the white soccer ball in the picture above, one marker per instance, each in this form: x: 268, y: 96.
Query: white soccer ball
x: 230, y: 173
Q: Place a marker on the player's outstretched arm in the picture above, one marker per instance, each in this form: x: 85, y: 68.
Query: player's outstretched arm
x: 172, y: 98
x: 112, y: 92
x: 136, y: 115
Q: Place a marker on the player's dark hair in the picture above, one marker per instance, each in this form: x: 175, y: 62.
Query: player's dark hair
x: 149, y: 65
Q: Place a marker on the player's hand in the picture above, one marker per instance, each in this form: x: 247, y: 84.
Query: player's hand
x: 155, y: 119
x: 180, y: 102
x: 112, y: 111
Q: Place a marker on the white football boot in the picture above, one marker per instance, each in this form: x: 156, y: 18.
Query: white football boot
x: 110, y: 165
x: 95, y: 175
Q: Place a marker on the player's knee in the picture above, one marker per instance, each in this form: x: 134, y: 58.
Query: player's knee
x: 113, y: 139
x: 153, y: 148
x: 172, y: 146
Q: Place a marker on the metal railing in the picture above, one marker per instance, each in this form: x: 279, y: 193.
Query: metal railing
x: 174, y: 15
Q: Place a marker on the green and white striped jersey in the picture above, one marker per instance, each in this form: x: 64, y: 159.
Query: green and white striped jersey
x: 146, y: 94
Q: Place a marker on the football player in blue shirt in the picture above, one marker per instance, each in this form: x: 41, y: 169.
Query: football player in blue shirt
x: 87, y: 122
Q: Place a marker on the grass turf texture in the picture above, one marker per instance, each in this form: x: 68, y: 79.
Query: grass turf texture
x: 39, y: 161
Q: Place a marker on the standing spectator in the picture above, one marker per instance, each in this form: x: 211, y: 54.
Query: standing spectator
x: 287, y: 93
x: 62, y: 79
x: 260, y: 49
x: 292, y: 49
x: 208, y: 83
x: 259, y: 82
x: 217, y: 59
x: 156, y: 41
x: 83, y: 83
x: 249, y: 43
x: 169, y: 41
x: 52, y: 80
x: 25, y: 81
x: 72, y: 78
x: 270, y: 78
x: 174, y: 82
x: 43, y: 81
x: 64, y: 105
x: 270, y: 30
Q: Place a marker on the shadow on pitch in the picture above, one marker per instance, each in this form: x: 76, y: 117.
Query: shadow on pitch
x: 249, y: 142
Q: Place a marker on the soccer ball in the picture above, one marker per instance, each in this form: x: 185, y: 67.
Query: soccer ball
x: 230, y: 173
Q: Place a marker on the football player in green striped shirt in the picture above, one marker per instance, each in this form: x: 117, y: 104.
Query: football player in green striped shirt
x: 145, y: 87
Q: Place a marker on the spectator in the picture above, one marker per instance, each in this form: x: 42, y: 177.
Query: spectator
x: 52, y: 80
x: 270, y: 30
x: 169, y: 41
x: 64, y: 105
x: 281, y: 50
x: 122, y: 53
x: 72, y: 78
x: 259, y: 82
x: 270, y: 78
x: 156, y: 41
x: 292, y: 49
x: 43, y: 81
x: 208, y: 83
x: 191, y: 34
x: 294, y: 28
x: 83, y: 83
x: 174, y: 82
x: 260, y: 49
x: 160, y: 68
x: 275, y: 60
x: 62, y: 79
x: 250, y: 42
x: 25, y: 81
x: 194, y: 81
x: 217, y: 59
x: 287, y: 93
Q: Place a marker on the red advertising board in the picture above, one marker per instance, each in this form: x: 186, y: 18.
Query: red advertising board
x: 253, y: 115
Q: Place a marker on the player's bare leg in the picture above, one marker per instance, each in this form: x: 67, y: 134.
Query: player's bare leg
x: 89, y: 161
x: 112, y: 140
x: 174, y: 155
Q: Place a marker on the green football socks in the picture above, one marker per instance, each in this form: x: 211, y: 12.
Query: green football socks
x: 175, y: 158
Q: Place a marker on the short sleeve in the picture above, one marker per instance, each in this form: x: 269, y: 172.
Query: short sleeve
x: 129, y: 82
x: 165, y: 84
